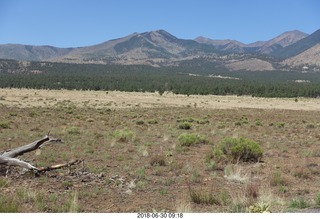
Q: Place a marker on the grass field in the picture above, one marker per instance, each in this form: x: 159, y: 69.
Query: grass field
x: 135, y: 160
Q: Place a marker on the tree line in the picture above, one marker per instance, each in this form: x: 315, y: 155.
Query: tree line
x: 179, y: 80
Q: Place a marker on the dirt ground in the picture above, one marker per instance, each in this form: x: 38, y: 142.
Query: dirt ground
x: 148, y: 170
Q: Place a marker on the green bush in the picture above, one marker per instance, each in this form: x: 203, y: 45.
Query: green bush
x: 299, y: 203
x: 186, y: 120
x: 240, y: 149
x: 5, y: 124
x: 124, y: 135
x: 258, y: 122
x: 191, y: 139
x: 185, y: 125
x: 203, y: 121
x: 140, y: 122
x: 152, y: 121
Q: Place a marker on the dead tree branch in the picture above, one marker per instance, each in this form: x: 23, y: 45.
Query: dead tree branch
x: 29, y: 147
x: 8, y: 157
x: 8, y: 161
x: 59, y: 166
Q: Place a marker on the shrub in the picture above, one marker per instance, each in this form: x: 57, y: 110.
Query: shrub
x: 203, y: 121
x: 124, y: 135
x: 280, y: 124
x: 140, y: 122
x: 299, y: 203
x: 8, y: 205
x: 191, y: 139
x: 258, y: 122
x: 73, y: 130
x: 277, y: 180
x: 13, y: 114
x: 158, y: 161
x: 152, y: 121
x: 240, y: 149
x: 5, y: 124
x: 200, y: 197
x: 185, y: 125
x: 317, y: 200
x: 260, y: 207
x: 186, y: 120
x: 235, y: 173
x: 242, y: 121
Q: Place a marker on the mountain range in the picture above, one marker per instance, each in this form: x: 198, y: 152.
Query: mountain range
x: 292, y: 50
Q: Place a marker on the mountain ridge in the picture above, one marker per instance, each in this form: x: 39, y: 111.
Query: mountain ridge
x: 158, y: 48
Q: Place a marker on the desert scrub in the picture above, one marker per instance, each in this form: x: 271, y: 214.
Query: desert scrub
x: 5, y: 124
x: 258, y: 122
x: 203, y: 121
x: 191, y: 139
x: 242, y: 121
x: 9, y: 205
x: 260, y: 207
x: 238, y: 149
x: 123, y: 135
x: 185, y: 125
x: 152, y: 121
x: 73, y: 130
x: 235, y: 173
x: 186, y: 120
x: 317, y: 199
x: 299, y: 203
x: 280, y: 124
x: 139, y: 122
x: 158, y: 160
x: 201, y: 197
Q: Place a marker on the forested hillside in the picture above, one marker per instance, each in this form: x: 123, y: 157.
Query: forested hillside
x: 186, y: 79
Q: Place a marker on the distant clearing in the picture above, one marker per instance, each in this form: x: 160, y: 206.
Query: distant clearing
x: 116, y: 99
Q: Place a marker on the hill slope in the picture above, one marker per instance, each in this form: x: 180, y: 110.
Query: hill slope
x: 31, y: 53
x: 299, y: 47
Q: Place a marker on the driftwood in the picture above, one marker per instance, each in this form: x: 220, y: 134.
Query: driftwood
x: 8, y: 157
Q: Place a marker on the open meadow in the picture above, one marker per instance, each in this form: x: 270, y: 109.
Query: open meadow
x: 145, y: 152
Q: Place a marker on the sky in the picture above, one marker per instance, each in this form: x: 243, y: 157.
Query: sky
x: 76, y: 23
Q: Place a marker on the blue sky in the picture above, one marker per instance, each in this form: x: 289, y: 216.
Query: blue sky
x: 72, y: 23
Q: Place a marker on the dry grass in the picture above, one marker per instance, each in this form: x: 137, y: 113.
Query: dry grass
x: 150, y: 158
x: 116, y: 100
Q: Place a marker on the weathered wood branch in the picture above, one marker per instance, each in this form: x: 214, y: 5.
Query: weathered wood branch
x: 29, y: 147
x: 8, y: 157
x: 8, y: 161
x: 59, y: 166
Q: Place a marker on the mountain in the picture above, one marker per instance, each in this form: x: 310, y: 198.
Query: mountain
x: 260, y: 47
x: 290, y: 50
x: 31, y: 53
x: 305, y: 60
x: 298, y: 47
x: 223, y: 45
x: 284, y: 40
x: 139, y: 48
